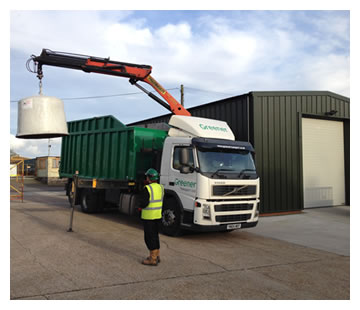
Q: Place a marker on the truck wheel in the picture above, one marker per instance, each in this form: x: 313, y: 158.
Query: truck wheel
x: 89, y: 201
x: 170, y: 222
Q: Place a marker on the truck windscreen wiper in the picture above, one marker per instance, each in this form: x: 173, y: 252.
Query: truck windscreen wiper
x: 220, y: 169
x: 242, y: 172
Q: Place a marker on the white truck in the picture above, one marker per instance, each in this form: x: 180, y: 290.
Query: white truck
x: 210, y: 179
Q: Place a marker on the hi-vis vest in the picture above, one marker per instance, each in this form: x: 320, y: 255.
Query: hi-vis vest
x: 153, y: 209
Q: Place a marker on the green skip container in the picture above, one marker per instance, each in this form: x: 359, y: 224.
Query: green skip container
x: 103, y: 148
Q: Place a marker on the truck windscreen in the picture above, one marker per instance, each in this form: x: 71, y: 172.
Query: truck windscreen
x: 222, y: 163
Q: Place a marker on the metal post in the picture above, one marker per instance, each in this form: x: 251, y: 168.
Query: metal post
x: 182, y: 94
x: 49, y: 147
x: 73, y: 190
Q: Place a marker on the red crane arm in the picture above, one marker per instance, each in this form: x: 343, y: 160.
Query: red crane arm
x: 175, y: 106
x: 89, y: 64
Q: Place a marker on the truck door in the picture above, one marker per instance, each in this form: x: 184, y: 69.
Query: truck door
x: 182, y: 177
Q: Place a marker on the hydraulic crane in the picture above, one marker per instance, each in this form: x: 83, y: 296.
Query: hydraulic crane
x: 89, y: 64
x: 199, y: 194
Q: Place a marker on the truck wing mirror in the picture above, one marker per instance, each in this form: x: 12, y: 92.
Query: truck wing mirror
x: 184, y: 157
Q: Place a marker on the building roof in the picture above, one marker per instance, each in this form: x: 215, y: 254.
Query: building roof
x: 251, y: 93
x: 48, y: 157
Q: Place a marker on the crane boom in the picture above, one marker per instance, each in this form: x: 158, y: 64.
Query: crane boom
x: 90, y: 64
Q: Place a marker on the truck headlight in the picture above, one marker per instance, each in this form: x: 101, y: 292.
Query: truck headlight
x: 206, y: 211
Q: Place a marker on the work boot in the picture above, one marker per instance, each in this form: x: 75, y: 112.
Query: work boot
x: 151, y: 260
x: 158, y: 255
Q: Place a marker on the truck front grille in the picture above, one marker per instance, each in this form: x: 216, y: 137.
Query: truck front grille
x: 232, y: 218
x: 234, y: 207
x: 233, y: 190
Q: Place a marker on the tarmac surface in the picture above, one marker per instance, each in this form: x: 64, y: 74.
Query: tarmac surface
x: 280, y: 259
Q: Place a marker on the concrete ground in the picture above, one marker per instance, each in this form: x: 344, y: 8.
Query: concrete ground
x: 101, y: 259
x: 325, y: 229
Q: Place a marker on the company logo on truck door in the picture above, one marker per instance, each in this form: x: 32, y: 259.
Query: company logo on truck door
x: 184, y: 183
x: 213, y: 128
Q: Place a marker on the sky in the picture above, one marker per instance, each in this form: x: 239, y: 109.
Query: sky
x: 214, y: 54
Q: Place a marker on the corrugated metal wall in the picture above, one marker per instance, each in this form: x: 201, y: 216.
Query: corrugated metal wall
x: 271, y: 121
x: 232, y: 110
x: 277, y: 140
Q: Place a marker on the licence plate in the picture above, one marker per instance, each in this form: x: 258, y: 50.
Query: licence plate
x: 233, y: 226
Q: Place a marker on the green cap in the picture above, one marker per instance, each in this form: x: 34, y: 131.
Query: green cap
x: 152, y: 174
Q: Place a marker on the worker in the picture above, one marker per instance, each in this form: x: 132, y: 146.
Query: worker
x: 150, y: 202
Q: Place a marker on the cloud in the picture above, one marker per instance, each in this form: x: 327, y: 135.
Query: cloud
x: 16, y: 144
x: 227, y: 49
x: 321, y: 76
x: 35, y: 148
x: 230, y: 52
x: 76, y: 31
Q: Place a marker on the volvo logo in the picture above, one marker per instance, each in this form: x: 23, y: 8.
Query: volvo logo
x: 236, y: 190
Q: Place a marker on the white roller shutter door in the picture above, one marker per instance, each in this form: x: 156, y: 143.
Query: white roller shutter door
x: 323, y: 162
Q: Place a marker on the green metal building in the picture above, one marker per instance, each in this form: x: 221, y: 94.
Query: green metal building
x: 302, y: 144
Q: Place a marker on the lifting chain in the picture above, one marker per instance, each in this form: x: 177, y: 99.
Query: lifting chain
x: 40, y: 76
x: 37, y: 68
x: 40, y: 87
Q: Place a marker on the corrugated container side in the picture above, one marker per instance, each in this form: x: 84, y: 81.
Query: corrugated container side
x: 104, y: 148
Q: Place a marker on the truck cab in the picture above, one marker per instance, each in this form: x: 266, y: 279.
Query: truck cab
x: 210, y: 179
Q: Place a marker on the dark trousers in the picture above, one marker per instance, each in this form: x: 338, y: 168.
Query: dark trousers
x: 151, y: 234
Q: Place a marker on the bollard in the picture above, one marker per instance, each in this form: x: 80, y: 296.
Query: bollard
x: 74, y: 190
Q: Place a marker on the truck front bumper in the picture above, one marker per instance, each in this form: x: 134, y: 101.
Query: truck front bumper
x: 221, y: 227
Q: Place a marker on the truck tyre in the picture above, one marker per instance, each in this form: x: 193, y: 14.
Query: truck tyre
x: 171, y: 217
x: 100, y: 200
x: 90, y: 201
